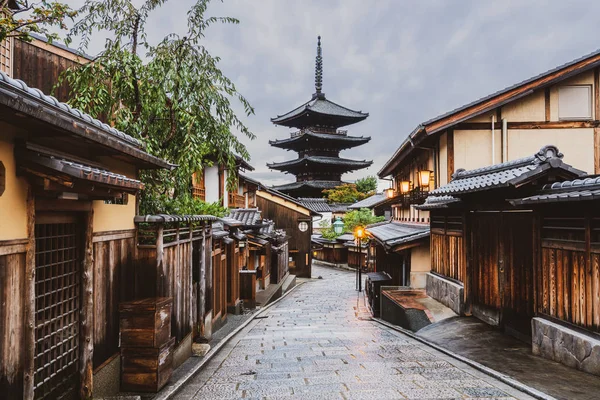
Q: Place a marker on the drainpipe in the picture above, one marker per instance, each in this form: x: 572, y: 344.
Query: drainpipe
x: 504, y: 140
x: 493, y: 140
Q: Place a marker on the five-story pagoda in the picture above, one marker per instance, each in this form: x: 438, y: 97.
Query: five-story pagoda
x: 318, y: 142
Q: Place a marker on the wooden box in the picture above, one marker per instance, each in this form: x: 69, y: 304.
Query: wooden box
x: 146, y: 369
x: 146, y: 322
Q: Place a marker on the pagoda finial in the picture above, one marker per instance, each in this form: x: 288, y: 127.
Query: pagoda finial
x: 319, y: 68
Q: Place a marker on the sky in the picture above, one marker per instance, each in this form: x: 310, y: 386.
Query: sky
x: 401, y: 61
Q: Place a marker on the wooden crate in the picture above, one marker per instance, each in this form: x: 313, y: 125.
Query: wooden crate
x: 146, y: 322
x: 146, y: 369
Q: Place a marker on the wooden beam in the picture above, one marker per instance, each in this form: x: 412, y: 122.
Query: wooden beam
x: 450, y: 153
x: 597, y: 93
x: 87, y: 313
x: 29, y: 364
x: 596, y: 150
x: 484, y: 126
x: 547, y: 103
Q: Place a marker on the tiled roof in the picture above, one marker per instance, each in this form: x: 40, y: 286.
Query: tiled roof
x: 218, y: 231
x: 275, y: 192
x: 320, y: 105
x: 19, y: 85
x: 246, y: 216
x: 166, y: 218
x: 315, y: 204
x: 322, y: 160
x: 230, y: 221
x: 391, y: 234
x: 310, y: 184
x: 339, y: 207
x: 369, y: 202
x: 586, y: 188
x: 437, y: 202
x: 337, y: 140
x: 505, y: 174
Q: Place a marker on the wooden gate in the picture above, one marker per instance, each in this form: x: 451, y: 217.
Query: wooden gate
x: 502, y: 269
x: 57, y: 306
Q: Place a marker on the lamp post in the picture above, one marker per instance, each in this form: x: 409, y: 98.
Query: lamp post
x: 338, y: 226
x: 359, y: 233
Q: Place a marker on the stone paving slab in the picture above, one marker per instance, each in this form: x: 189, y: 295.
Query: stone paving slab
x: 312, y: 345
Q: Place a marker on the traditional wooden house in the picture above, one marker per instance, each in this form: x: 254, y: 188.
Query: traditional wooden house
x: 484, y: 250
x: 324, y: 214
x: 68, y: 187
x: 377, y: 203
x: 210, y: 185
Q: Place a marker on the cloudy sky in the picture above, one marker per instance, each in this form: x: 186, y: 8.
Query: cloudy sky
x: 402, y: 61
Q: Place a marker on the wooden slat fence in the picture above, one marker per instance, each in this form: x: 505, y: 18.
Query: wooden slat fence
x: 447, y: 247
x: 568, y: 277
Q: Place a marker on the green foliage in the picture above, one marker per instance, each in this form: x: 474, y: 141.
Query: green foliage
x: 327, y: 230
x: 182, y: 205
x: 367, y: 185
x: 362, y: 217
x: 345, y: 193
x: 171, y: 94
x: 30, y: 18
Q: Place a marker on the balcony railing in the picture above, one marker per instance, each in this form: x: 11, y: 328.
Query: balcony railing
x: 415, y: 196
x: 236, y: 200
x: 320, y: 130
x: 198, y: 192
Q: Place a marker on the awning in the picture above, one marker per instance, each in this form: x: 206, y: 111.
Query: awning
x: 392, y: 235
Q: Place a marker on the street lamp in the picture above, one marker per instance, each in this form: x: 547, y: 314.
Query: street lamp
x: 404, y: 187
x: 338, y: 226
x: 424, y: 178
x: 359, y: 234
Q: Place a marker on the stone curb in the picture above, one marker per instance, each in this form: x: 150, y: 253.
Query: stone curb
x: 333, y: 265
x: 172, y: 390
x: 480, y: 367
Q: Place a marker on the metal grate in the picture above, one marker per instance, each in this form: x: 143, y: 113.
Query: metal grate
x: 57, y: 287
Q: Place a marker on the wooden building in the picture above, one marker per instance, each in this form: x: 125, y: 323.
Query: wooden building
x: 68, y: 186
x: 378, y: 203
x: 296, y: 220
x: 210, y: 185
x: 505, y: 252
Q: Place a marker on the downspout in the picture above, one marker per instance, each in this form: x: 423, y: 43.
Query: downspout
x: 504, y: 140
x: 493, y: 140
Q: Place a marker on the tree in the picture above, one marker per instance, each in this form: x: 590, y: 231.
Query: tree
x: 362, y: 217
x: 175, y: 99
x: 367, y: 184
x: 345, y: 193
x: 20, y: 18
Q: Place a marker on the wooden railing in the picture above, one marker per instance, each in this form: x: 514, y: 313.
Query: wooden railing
x: 236, y: 200
x: 198, y: 192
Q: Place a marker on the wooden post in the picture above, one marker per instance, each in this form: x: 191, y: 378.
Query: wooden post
x: 597, y: 118
x: 161, y: 285
x: 450, y: 153
x: 202, y: 281
x: 87, y: 312
x: 191, y: 283
x: 547, y: 104
x: 29, y: 365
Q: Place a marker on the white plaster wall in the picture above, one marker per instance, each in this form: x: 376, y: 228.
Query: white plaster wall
x: 211, y: 183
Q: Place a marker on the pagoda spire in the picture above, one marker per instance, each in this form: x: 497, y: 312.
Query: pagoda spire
x: 319, y: 69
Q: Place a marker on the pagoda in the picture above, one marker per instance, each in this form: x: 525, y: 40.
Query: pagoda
x: 318, y: 142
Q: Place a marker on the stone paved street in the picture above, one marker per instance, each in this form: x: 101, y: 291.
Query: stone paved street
x: 312, y: 345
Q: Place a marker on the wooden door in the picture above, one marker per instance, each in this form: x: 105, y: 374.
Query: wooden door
x: 58, y: 260
x: 502, y: 268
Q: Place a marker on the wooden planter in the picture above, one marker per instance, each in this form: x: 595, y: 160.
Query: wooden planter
x: 146, y: 369
x: 146, y: 322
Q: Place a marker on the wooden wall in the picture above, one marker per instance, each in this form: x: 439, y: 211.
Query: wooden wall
x: 40, y: 68
x: 335, y: 254
x: 355, y: 256
x: 397, y: 265
x: 448, y: 246
x: 568, y: 276
x: 114, y: 253
x: 299, y: 242
x: 12, y: 322
x: 279, y: 263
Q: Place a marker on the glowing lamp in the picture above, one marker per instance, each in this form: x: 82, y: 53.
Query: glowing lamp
x: 389, y: 193
x: 404, y: 186
x: 359, y: 233
x: 424, y: 178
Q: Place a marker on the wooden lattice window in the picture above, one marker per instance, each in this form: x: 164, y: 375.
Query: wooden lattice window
x: 57, y: 307
x: 198, y: 186
x: 6, y: 56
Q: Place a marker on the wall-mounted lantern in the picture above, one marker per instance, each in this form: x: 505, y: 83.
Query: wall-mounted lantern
x: 404, y: 187
x: 389, y: 193
x: 425, y: 177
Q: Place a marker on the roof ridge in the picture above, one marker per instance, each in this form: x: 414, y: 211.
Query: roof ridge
x: 545, y: 154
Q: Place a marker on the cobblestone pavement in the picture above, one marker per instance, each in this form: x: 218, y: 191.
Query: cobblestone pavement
x: 312, y: 345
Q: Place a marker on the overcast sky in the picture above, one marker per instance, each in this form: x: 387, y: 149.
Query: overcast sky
x: 401, y: 61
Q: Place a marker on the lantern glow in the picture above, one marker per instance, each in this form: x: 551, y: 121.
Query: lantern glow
x: 404, y: 186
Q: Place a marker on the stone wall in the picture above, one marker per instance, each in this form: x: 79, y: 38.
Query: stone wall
x: 566, y: 346
x: 446, y: 292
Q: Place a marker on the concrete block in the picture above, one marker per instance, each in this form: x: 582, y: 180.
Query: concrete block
x: 566, y: 346
x: 446, y: 292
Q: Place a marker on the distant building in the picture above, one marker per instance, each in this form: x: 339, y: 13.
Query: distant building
x: 318, y: 142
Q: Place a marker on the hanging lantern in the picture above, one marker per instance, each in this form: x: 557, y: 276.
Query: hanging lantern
x: 424, y: 178
x: 389, y: 193
x: 404, y: 186
x: 338, y: 226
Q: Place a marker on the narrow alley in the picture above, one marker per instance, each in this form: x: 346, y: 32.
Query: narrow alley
x: 313, y: 345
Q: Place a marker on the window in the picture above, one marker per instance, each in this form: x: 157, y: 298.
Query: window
x: 575, y: 102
